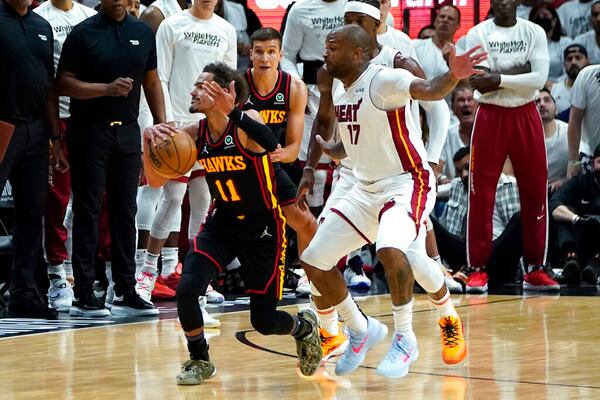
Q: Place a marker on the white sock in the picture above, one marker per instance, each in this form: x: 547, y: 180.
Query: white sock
x: 56, y: 273
x: 352, y: 315
x: 328, y: 320
x: 139, y: 259
x: 108, y: 271
x: 68, y: 268
x: 403, y: 317
x: 233, y: 265
x: 445, y: 306
x: 150, y: 263
x: 170, y: 258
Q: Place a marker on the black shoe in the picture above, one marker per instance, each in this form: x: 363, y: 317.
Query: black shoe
x: 571, y: 271
x: 591, y: 272
x: 27, y: 306
x: 87, y: 305
x: 130, y: 304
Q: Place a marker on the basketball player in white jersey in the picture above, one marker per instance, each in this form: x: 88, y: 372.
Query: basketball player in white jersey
x: 307, y: 25
x: 62, y: 15
x: 392, y: 196
x: 365, y: 14
x: 185, y: 43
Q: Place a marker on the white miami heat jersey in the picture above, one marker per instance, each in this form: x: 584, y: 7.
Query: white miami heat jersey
x: 381, y: 144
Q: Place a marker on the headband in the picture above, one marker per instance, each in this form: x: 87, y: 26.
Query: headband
x: 363, y: 8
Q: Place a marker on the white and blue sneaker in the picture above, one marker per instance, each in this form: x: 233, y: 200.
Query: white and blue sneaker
x: 359, y: 345
x: 401, y: 354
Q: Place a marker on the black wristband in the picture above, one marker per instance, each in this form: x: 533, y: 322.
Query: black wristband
x: 236, y: 115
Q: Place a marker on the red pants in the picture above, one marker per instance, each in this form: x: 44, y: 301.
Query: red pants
x: 518, y: 133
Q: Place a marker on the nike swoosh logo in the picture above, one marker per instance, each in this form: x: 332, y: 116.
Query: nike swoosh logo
x: 361, y: 345
x: 585, y: 202
x: 539, y: 217
x: 54, y: 297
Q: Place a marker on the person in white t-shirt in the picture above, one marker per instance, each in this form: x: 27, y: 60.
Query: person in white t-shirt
x: 158, y: 10
x: 575, y: 59
x: 555, y: 132
x: 185, y: 43
x: 545, y: 16
x: 508, y: 124
x: 391, y: 36
x: 584, y: 121
x: 575, y: 17
x: 591, y: 39
x: 307, y: 25
x: 429, y: 51
x: 62, y: 15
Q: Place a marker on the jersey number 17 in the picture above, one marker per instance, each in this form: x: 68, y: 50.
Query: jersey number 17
x: 354, y: 130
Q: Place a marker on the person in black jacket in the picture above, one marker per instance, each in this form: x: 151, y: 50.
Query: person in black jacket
x: 576, y: 212
x: 29, y: 103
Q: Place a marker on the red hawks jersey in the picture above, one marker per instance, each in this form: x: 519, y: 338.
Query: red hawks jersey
x: 379, y: 143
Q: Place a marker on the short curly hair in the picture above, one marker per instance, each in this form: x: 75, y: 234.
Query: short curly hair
x: 223, y: 75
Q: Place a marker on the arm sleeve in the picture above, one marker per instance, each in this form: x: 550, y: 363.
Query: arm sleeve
x: 231, y: 55
x: 473, y: 39
x: 439, y: 114
x: 164, y: 55
x: 578, y: 95
x: 292, y: 41
x: 260, y: 133
x: 540, y: 65
x: 390, y: 88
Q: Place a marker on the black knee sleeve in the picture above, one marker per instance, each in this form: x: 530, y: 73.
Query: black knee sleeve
x: 198, y: 272
x: 266, y: 319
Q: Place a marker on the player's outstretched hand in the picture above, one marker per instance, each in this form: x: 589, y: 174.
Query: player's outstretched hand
x: 224, y: 99
x: 162, y: 131
x: 463, y: 66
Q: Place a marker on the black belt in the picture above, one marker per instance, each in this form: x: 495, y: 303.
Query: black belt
x: 309, y: 73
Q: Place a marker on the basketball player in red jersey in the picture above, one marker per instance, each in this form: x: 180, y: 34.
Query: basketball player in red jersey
x: 246, y: 222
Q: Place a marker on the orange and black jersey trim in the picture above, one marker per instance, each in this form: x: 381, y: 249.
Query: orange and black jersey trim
x: 240, y: 182
x: 275, y: 106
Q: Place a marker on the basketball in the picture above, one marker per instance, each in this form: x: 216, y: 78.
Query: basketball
x: 174, y: 156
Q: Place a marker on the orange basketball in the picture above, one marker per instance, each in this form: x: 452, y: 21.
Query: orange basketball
x: 173, y: 157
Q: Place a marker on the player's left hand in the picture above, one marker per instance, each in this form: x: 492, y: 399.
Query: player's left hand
x: 61, y: 162
x: 279, y: 154
x: 463, y: 66
x: 331, y: 148
x: 486, y: 82
x: 224, y: 100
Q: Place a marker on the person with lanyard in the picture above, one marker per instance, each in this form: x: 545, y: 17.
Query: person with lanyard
x: 28, y: 110
x: 105, y: 62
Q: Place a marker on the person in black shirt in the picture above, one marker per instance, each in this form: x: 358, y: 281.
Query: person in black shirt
x: 105, y: 61
x: 576, y: 212
x: 27, y: 101
x: 245, y: 221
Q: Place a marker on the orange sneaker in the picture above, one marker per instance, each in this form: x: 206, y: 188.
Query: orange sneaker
x: 173, y: 280
x: 454, y: 348
x: 333, y: 345
x: 161, y: 291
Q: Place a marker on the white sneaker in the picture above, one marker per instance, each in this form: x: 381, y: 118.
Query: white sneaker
x: 356, y: 281
x: 453, y: 286
x: 60, y: 295
x: 401, y: 354
x: 212, y: 296
x: 144, y: 284
x: 209, y: 320
x: 110, y: 296
x: 303, y: 287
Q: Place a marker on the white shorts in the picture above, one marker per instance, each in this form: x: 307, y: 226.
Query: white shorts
x: 389, y: 212
x: 343, y: 182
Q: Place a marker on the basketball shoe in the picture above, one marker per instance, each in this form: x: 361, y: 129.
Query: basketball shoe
x: 303, y: 287
x: 477, y: 283
x: 214, y: 297
x: 359, y: 345
x: 401, y: 354
x: 194, y: 372
x: 538, y: 279
x: 60, y: 295
x: 87, y: 305
x: 308, y: 348
x: 333, y: 345
x: 454, y: 347
x: 173, y: 279
x: 131, y: 304
x: 161, y: 290
x: 209, y: 320
x: 144, y: 284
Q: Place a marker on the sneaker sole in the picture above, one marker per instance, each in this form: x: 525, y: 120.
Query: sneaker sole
x: 313, y: 352
x: 389, y: 374
x: 360, y: 286
x: 529, y: 286
x: 122, y: 311
x: 215, y: 324
x: 77, y: 312
x: 217, y: 300
x: 193, y: 381
x: 337, y: 352
x: 477, y: 289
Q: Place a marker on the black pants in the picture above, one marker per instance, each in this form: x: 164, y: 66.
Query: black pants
x: 507, y: 250
x: 104, y: 159
x: 584, y: 242
x: 259, y: 243
x: 25, y: 165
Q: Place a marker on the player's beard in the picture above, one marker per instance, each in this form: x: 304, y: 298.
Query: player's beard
x: 573, y: 72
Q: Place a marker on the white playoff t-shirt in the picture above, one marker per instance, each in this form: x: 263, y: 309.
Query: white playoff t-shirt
x: 509, y: 47
x: 586, y: 96
x: 184, y: 46
x: 62, y: 23
x: 556, y: 50
x: 562, y: 94
x: 557, y: 150
x: 588, y: 40
x: 575, y: 17
x: 167, y: 7
x: 430, y: 57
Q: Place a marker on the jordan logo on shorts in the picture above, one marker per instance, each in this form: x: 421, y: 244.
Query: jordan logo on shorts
x: 266, y: 233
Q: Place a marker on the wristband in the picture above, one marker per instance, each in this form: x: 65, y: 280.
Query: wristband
x: 236, y: 115
x: 574, y: 162
x: 309, y: 168
x: 575, y: 218
x: 441, y: 177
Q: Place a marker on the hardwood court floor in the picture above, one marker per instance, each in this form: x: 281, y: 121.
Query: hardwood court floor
x: 519, y: 348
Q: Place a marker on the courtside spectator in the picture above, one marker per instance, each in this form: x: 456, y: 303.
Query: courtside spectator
x: 591, y: 39
x: 575, y: 58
